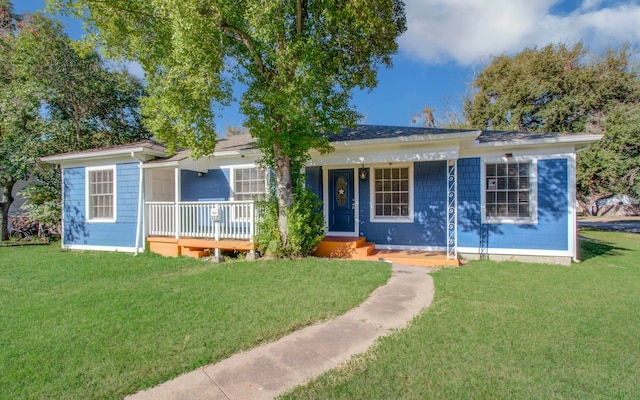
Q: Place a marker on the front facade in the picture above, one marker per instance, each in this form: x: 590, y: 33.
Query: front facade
x: 499, y: 195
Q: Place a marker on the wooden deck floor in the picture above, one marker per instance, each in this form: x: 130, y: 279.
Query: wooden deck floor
x: 357, y: 248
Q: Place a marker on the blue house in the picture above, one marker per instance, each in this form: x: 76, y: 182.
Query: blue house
x: 386, y: 190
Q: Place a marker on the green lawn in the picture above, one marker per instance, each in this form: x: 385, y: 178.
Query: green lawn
x: 102, y: 325
x: 512, y: 331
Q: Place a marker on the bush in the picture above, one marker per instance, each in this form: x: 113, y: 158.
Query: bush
x: 305, y: 223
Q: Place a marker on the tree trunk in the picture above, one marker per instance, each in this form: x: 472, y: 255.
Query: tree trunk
x: 284, y: 190
x: 7, y: 200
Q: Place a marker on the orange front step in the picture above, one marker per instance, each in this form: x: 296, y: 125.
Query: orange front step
x: 339, y: 247
x: 358, y: 248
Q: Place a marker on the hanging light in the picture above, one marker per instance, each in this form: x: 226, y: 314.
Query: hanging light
x: 362, y: 173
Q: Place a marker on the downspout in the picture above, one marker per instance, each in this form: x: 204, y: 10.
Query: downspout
x: 140, y: 201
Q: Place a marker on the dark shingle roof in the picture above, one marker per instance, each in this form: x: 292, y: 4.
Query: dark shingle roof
x: 504, y: 136
x: 369, y: 132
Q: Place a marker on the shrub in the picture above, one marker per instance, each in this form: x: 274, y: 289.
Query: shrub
x: 306, y: 226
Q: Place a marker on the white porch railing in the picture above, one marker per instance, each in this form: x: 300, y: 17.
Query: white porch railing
x: 217, y: 220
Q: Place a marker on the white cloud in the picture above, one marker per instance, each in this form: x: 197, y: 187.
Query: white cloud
x: 470, y: 31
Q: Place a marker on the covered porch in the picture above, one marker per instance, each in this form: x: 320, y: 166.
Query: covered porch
x: 196, y: 229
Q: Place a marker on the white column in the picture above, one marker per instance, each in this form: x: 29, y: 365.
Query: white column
x: 176, y: 220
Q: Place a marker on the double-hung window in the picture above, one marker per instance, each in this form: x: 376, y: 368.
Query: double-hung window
x: 250, y: 184
x: 391, y: 194
x: 101, y: 194
x: 509, y: 191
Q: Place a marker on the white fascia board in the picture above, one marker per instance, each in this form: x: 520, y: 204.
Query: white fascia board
x: 236, y: 153
x: 353, y: 156
x: 97, y: 162
x: 499, y: 153
x: 576, y: 140
x: 108, y: 154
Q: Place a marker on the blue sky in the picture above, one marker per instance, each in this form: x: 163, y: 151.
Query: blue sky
x: 447, y: 41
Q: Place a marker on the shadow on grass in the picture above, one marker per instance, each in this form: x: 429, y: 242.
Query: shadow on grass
x: 591, y: 248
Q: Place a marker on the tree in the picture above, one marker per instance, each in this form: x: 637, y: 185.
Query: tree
x: 299, y: 59
x: 89, y: 104
x: 567, y: 89
x: 20, y: 121
x: 56, y: 95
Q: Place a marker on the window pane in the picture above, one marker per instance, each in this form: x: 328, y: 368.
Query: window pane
x: 502, y: 183
x: 391, y: 192
x: 491, y: 169
x: 101, y: 194
x: 507, y: 192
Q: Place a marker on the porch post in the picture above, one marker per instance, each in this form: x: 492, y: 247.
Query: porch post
x: 452, y: 210
x: 176, y: 217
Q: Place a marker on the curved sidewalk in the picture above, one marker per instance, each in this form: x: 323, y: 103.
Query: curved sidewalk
x: 271, y: 369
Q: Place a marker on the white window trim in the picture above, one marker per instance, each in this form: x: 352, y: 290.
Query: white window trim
x: 372, y: 195
x: 533, y: 190
x: 115, y: 193
x: 232, y: 183
x: 232, y: 179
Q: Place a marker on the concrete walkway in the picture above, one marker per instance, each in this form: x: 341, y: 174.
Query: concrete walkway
x: 273, y: 368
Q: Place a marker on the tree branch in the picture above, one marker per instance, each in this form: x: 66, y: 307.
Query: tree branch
x: 242, y: 37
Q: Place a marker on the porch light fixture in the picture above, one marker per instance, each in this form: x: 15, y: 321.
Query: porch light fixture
x: 362, y: 173
x: 200, y: 173
x: 508, y: 155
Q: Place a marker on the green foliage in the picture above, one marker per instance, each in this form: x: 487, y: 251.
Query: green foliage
x: 306, y: 226
x: 567, y: 89
x: 43, y: 199
x: 613, y: 164
x: 56, y: 95
x: 88, y: 325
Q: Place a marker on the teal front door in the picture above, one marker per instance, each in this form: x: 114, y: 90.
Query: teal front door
x: 341, y: 201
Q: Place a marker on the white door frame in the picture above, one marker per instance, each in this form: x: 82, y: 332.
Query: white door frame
x: 326, y: 199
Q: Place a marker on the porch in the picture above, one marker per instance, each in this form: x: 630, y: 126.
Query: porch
x: 357, y: 248
x: 195, y: 229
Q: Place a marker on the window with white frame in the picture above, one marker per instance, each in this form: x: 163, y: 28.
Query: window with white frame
x: 509, y: 192
x: 101, y: 194
x: 250, y: 184
x: 392, y: 194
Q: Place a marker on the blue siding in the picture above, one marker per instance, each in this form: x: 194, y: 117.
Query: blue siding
x: 122, y: 233
x: 212, y: 185
x: 429, y: 226
x: 551, y: 232
x: 314, y: 180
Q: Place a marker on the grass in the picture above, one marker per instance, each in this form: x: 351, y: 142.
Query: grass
x: 512, y: 331
x: 103, y: 325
